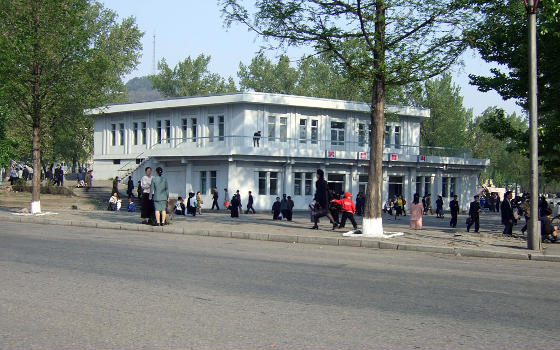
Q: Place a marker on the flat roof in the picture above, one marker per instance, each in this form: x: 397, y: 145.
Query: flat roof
x: 257, y: 98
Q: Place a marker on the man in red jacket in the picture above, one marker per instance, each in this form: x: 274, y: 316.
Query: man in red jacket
x: 348, y: 209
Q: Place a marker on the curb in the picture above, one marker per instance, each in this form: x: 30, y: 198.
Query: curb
x: 330, y: 241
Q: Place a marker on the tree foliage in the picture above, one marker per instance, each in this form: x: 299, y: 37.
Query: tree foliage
x: 190, y: 77
x: 58, y: 58
x: 502, y: 39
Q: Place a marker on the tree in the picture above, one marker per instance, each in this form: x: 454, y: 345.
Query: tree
x: 141, y: 89
x: 383, y: 42
x: 190, y: 78
x: 262, y: 75
x: 502, y: 39
x: 8, y: 145
x: 57, y: 55
x: 449, y: 119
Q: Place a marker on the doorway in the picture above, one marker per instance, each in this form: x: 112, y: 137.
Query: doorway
x: 395, y: 186
x: 336, y: 183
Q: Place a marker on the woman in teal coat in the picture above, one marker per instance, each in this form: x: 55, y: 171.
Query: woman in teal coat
x: 159, y: 193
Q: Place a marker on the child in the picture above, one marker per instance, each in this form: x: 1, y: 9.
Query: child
x: 113, y: 202
x: 348, y: 210
x: 131, y: 205
x: 276, y: 209
x: 191, y: 204
x: 119, y: 204
x: 180, y: 206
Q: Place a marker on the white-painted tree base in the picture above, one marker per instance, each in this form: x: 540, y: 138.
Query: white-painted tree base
x: 35, y: 207
x: 373, y: 228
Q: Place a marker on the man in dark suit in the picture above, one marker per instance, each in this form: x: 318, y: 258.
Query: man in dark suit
x: 507, y: 214
x: 474, y: 214
x: 454, y: 210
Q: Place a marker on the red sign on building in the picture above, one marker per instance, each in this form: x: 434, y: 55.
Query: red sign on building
x: 393, y: 157
x: 362, y: 155
x: 331, y: 154
x: 422, y: 159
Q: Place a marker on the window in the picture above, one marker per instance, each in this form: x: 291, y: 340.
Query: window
x: 419, y: 185
x: 168, y: 131
x: 211, y: 126
x: 427, y: 183
x: 452, y: 187
x: 273, y: 183
x: 213, y: 182
x: 221, y: 128
x: 314, y: 131
x: 361, y: 134
x: 283, y: 129
x: 308, y: 184
x: 271, y: 128
x: 337, y: 133
x: 387, y: 136
x: 203, y: 183
x: 194, y: 134
x: 116, y: 161
x: 143, y: 142
x: 444, y: 186
x: 158, y: 129
x: 113, y: 134
x: 337, y: 183
x: 303, y: 131
x: 184, y: 129
x: 297, y: 183
x: 121, y: 134
x: 262, y: 182
x: 397, y: 137
x: 362, y: 183
x: 135, y: 133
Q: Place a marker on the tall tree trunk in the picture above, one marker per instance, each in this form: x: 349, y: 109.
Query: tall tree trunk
x: 372, y: 224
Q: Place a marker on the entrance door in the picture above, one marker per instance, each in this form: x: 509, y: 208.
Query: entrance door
x: 395, y: 185
x: 336, y: 183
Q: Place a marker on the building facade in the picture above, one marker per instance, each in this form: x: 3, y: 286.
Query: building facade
x: 209, y: 141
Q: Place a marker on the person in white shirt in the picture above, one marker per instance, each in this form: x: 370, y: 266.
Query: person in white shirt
x: 147, y: 204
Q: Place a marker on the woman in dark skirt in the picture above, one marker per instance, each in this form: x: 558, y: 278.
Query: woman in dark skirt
x: 322, y: 200
x: 234, y: 206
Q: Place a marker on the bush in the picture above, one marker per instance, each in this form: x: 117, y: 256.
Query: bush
x: 48, y: 188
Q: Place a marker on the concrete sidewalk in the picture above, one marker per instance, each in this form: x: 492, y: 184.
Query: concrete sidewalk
x: 436, y: 237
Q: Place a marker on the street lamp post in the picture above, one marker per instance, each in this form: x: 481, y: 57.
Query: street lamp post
x: 533, y: 238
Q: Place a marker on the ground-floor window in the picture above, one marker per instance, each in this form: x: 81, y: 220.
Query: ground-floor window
x: 213, y: 180
x: 337, y: 183
x: 204, y: 177
x: 362, y: 183
x: 203, y: 183
x: 444, y: 186
x: 303, y: 184
x: 262, y: 182
x: 452, y: 187
x: 427, y: 184
x: 395, y: 186
x: 273, y: 183
x: 419, y: 182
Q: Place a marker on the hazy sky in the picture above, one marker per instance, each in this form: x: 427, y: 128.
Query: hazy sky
x: 191, y: 27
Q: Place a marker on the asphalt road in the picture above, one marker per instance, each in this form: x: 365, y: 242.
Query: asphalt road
x: 71, y: 288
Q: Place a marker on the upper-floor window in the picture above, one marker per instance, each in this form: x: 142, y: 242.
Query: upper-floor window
x: 363, y: 134
x: 221, y: 128
x: 113, y: 134
x: 397, y: 136
x: 194, y: 134
x: 387, y: 136
x: 158, y: 131
x: 184, y: 129
x: 303, y: 131
x: 143, y: 134
x: 167, y: 130
x: 121, y: 134
x: 314, y: 131
x: 283, y: 129
x: 337, y: 133
x: 211, y: 126
x: 271, y: 128
x: 135, y: 133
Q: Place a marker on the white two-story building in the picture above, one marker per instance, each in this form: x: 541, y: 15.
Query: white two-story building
x: 208, y: 141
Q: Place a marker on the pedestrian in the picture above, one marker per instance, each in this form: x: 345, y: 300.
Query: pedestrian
x: 360, y: 204
x: 226, y: 200
x: 180, y: 206
x: 49, y: 174
x: 13, y: 175
x: 113, y: 200
x: 89, y: 180
x: 130, y: 187
x: 191, y: 204
x: 159, y: 192
x: 398, y: 205
x: 291, y: 205
x: 250, y: 204
x: 525, y: 210
x: 139, y: 190
x: 239, y: 200
x: 116, y: 184
x: 549, y: 232
x: 25, y: 173
x: 498, y: 201
x: 428, y: 206
x: 416, y: 210
x: 284, y: 206
x: 439, y: 207
x: 474, y: 215
x: 322, y: 200
x: 508, y: 216
x: 131, y: 206
x: 199, y: 203
x: 277, y: 209
x: 454, y: 211
x: 215, y: 196
x: 234, y: 206
x: 256, y: 139
x: 147, y: 204
x: 348, y: 210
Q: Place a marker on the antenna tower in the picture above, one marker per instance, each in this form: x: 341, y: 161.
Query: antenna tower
x: 154, y: 56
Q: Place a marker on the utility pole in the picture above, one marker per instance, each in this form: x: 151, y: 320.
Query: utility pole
x: 533, y: 237
x: 154, y: 56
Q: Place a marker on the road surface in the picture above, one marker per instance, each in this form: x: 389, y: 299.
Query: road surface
x: 77, y: 288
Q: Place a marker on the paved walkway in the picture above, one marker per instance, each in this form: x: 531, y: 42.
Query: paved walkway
x: 436, y: 236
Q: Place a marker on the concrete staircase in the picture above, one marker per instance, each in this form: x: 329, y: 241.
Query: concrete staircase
x: 100, y: 193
